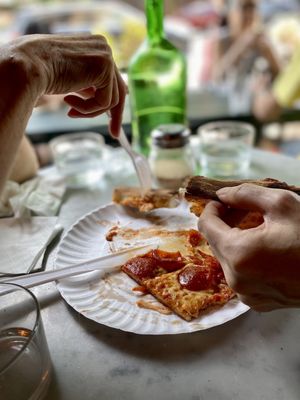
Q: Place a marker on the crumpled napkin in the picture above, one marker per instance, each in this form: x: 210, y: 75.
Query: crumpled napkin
x: 21, y: 239
x: 39, y: 196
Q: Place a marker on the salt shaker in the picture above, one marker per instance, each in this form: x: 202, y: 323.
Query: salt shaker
x: 171, y: 158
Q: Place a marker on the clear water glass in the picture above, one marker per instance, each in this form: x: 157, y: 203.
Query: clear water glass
x: 79, y: 158
x: 25, y: 365
x: 225, y: 149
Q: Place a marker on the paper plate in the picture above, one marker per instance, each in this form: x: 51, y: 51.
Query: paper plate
x: 110, y: 300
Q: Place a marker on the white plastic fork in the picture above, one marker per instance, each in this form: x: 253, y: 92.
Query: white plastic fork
x: 140, y: 162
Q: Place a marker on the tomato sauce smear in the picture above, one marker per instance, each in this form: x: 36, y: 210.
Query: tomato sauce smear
x: 195, y: 237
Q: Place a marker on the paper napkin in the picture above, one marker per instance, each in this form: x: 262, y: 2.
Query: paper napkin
x: 21, y: 239
x: 41, y: 196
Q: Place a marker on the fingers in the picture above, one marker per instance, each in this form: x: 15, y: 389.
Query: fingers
x: 246, y: 196
x: 213, y: 228
x: 116, y: 112
x: 259, y: 303
x: 81, y: 65
x: 87, y: 92
x: 87, y: 106
x: 273, y: 203
x: 91, y: 102
x: 210, y: 221
x: 102, y: 99
x: 262, y: 302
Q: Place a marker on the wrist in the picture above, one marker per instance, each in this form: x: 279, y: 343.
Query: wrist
x: 21, y: 72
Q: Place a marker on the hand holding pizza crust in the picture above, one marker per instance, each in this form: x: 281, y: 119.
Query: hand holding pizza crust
x: 261, y: 264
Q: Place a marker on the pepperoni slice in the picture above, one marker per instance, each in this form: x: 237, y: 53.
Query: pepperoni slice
x: 195, y: 278
x: 169, y: 261
x: 141, y: 267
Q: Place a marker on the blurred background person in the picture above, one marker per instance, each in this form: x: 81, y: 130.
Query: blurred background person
x: 269, y: 102
x: 243, y: 53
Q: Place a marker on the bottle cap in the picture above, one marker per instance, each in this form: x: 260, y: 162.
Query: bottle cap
x: 170, y: 136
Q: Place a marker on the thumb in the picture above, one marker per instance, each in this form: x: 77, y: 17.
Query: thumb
x: 246, y: 197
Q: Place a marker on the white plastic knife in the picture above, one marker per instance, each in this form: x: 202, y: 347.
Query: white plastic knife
x: 104, y: 264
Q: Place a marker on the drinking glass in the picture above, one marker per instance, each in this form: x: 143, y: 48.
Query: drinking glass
x: 25, y: 366
x: 79, y: 158
x: 226, y: 148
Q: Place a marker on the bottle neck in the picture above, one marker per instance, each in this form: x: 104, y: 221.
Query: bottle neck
x: 155, y: 16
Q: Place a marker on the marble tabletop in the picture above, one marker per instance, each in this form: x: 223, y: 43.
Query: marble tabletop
x: 255, y: 356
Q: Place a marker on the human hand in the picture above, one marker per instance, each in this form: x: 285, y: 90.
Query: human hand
x: 82, y: 64
x: 262, y: 264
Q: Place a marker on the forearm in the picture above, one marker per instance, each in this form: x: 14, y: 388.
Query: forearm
x: 269, y: 55
x: 17, y: 100
x: 26, y: 164
x: 265, y: 107
x: 230, y: 58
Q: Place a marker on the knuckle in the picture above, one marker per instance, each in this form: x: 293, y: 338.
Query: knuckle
x: 233, y: 282
x: 114, y: 102
x: 246, y: 300
x: 104, y: 62
x: 283, y: 200
x: 243, y: 189
x: 200, y: 221
x: 105, y: 103
x: 203, y: 224
x: 101, y: 40
x: 258, y: 302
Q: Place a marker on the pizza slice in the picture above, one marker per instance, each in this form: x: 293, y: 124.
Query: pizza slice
x: 182, y: 274
x: 145, y: 201
x: 186, y: 285
x: 189, y: 301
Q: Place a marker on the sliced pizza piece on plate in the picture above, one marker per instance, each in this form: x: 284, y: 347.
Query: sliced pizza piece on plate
x: 145, y: 201
x: 181, y: 273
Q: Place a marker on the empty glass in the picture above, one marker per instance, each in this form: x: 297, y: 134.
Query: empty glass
x: 226, y: 148
x: 79, y: 158
x: 25, y: 365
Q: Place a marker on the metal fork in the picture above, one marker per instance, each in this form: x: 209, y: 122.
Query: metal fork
x: 140, y: 162
x: 44, y: 251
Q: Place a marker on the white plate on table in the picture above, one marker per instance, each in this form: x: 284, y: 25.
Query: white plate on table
x: 110, y: 301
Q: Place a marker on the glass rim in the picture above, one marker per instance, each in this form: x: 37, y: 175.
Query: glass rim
x: 76, y: 135
x: 226, y: 123
x: 35, y: 326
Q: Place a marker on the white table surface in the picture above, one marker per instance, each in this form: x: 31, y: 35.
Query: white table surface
x: 254, y: 357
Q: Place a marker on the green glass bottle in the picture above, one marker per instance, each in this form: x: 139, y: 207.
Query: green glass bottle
x: 157, y: 81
